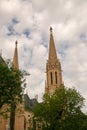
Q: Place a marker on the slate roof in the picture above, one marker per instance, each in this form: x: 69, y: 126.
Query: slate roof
x: 29, y: 103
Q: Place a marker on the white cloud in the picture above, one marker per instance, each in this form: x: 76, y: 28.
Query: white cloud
x: 31, y: 29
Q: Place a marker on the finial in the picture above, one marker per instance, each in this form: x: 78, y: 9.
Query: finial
x: 51, y: 29
x: 16, y: 43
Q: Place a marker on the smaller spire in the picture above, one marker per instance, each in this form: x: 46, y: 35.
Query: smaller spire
x: 15, y: 58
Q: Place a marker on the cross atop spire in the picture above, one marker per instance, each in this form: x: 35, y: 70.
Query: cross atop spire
x: 16, y: 42
x: 15, y: 58
x: 51, y: 29
x: 52, y: 50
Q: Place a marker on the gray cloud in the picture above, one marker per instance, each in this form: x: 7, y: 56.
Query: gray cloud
x: 30, y: 22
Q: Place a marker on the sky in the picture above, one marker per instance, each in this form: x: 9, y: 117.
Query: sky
x: 28, y: 22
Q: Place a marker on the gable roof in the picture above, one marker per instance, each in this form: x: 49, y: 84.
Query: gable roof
x: 29, y: 103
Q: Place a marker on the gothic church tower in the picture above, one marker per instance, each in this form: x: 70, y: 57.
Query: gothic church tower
x: 53, y: 68
x: 19, y: 113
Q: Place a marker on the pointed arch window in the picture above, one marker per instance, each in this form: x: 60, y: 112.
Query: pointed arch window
x: 51, y: 77
x: 56, y: 79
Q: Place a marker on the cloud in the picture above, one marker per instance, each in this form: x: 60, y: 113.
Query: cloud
x: 29, y: 21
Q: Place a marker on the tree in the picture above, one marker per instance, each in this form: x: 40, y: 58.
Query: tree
x: 60, y: 110
x: 10, y: 85
x: 11, y: 90
x: 84, y: 125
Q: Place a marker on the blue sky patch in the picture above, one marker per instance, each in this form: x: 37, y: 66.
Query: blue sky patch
x: 83, y: 37
x: 11, y: 30
x: 27, y: 33
x: 15, y: 21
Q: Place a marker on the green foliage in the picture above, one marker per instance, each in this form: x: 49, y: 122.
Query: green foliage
x: 10, y: 85
x: 84, y: 124
x: 61, y: 110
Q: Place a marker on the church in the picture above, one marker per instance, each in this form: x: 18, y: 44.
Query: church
x: 53, y: 81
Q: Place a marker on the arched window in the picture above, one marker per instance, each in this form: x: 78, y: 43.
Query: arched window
x: 56, y: 80
x: 51, y: 77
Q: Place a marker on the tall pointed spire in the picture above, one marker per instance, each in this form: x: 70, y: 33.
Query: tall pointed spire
x: 15, y: 58
x: 53, y: 68
x: 52, y: 50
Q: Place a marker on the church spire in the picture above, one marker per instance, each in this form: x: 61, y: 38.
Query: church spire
x: 53, y: 68
x: 15, y: 58
x: 52, y: 50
